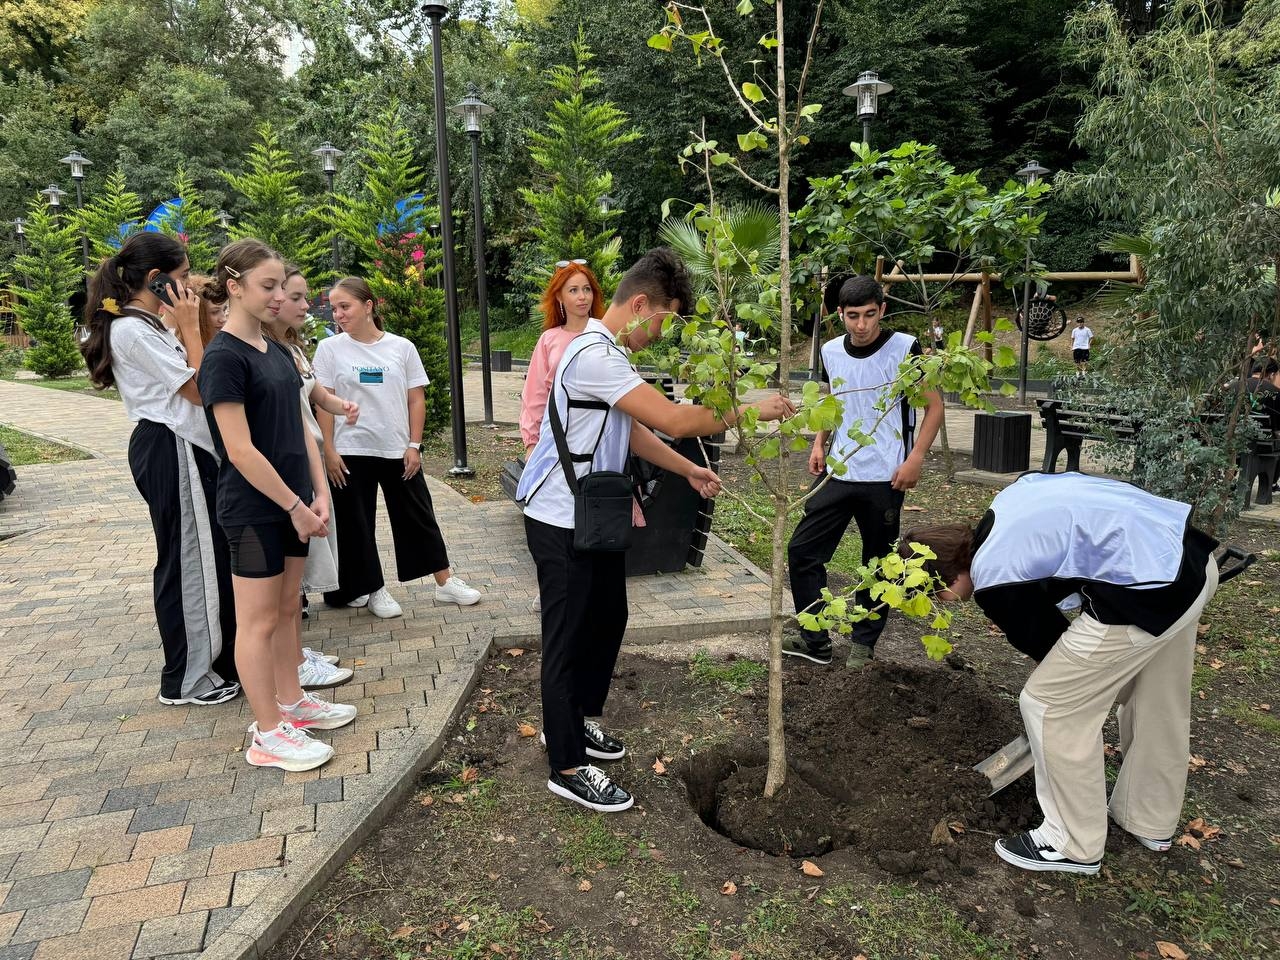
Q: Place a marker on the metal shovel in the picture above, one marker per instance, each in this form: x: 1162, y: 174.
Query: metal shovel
x: 1014, y: 759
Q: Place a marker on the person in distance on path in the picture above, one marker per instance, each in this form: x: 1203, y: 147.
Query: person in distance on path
x: 1143, y: 574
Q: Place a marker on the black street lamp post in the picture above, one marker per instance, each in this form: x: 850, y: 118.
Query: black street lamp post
x: 77, y: 162
x: 868, y: 89
x: 436, y: 11
x: 329, y: 155
x: 54, y: 194
x: 1029, y: 174
x: 472, y: 109
x: 224, y: 221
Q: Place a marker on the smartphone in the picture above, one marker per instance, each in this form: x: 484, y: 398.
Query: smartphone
x: 160, y: 287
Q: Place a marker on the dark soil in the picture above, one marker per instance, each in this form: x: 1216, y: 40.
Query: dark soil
x: 881, y: 769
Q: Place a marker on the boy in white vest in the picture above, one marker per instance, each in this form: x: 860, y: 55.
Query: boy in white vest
x: 606, y: 410
x: 1143, y: 574
x: 861, y: 368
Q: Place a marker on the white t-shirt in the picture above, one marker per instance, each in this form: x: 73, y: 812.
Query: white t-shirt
x: 150, y: 367
x: 378, y: 377
x: 592, y: 368
x: 1080, y: 338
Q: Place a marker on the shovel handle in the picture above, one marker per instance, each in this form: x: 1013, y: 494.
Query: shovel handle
x: 1233, y: 561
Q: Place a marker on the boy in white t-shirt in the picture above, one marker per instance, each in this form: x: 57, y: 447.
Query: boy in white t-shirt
x: 1081, y: 337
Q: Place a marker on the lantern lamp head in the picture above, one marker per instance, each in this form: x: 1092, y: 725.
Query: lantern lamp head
x: 868, y: 89
x: 77, y: 162
x: 328, y: 155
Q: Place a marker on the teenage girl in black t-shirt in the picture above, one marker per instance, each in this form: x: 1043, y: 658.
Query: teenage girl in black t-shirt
x: 272, y: 498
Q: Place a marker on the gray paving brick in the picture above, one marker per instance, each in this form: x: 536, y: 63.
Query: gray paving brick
x: 129, y: 798
x: 166, y: 936
x: 219, y: 920
x: 328, y: 790
x: 21, y: 951
x: 210, y: 833
x: 158, y: 817
x: 53, y: 920
x: 51, y: 888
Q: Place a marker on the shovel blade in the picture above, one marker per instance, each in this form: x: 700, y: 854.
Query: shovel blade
x: 1007, y: 764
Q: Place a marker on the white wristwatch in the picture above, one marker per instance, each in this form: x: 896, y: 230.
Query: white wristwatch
x: 415, y: 446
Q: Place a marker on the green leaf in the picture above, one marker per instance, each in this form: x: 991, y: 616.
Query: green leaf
x: 660, y: 41
x: 935, y: 646
x: 811, y: 110
x: 752, y: 92
x: 768, y: 42
x: 744, y: 7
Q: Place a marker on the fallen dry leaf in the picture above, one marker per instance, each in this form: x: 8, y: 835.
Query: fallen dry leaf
x: 659, y: 767
x: 360, y: 663
x: 527, y: 730
x: 428, y: 800
x: 477, y: 499
x: 464, y: 926
x: 1236, y: 767
x: 811, y: 869
x: 1205, y: 831
x: 469, y: 775
x: 729, y: 888
x: 941, y: 835
x: 541, y: 926
x: 1202, y: 629
x: 1195, y: 762
x: 515, y: 651
x: 1170, y: 951
x: 399, y: 933
x: 1187, y: 840
x: 956, y: 826
x: 1216, y: 664
x: 1236, y: 862
x: 1201, y: 649
x: 1275, y: 902
x: 1264, y: 707
x: 913, y: 509
x: 584, y: 886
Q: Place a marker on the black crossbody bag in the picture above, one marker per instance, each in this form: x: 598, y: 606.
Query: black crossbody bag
x: 602, y: 499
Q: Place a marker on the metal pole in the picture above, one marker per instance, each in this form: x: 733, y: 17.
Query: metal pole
x: 866, y: 133
x: 482, y: 291
x: 1026, y: 325
x: 84, y: 239
x: 328, y: 175
x: 435, y: 11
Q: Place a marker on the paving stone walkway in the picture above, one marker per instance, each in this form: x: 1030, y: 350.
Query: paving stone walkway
x: 129, y: 829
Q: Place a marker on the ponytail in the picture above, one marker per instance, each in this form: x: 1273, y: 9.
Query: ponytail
x: 118, y: 280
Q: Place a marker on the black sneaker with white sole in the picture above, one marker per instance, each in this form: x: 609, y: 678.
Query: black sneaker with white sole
x: 1025, y: 851
x: 219, y: 694
x: 796, y: 645
x: 592, y: 788
x: 600, y: 745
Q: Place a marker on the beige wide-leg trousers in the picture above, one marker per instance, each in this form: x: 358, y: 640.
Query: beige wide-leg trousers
x: 1064, y: 705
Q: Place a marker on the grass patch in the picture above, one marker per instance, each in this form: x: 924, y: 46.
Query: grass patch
x: 589, y: 845
x: 737, y: 675
x: 24, y: 450
x: 74, y: 385
x: 1241, y: 712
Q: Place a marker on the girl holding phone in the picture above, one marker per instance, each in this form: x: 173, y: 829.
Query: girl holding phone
x: 132, y: 346
x: 271, y: 500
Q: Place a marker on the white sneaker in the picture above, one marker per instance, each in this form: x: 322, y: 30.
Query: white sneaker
x: 536, y: 606
x: 382, y: 605
x: 311, y: 711
x: 286, y: 747
x: 359, y: 601
x: 318, y: 673
x: 317, y: 655
x: 455, y: 590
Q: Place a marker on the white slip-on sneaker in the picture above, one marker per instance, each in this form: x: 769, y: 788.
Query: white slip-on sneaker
x: 360, y: 601
x: 317, y: 673
x: 286, y: 747
x: 317, y: 714
x: 317, y: 655
x: 382, y: 605
x: 455, y: 590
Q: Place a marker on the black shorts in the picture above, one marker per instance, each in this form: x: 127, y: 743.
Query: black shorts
x: 258, y: 550
x: 1080, y: 356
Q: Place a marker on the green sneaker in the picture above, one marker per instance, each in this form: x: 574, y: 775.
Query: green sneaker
x: 859, y: 656
x: 795, y: 645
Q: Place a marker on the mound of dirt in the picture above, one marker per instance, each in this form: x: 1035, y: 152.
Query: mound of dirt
x: 880, y: 764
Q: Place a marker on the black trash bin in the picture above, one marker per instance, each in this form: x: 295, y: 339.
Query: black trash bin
x: 1002, y: 442
x: 500, y: 361
x: 677, y: 520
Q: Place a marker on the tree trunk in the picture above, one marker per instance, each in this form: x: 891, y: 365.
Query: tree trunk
x: 777, y: 771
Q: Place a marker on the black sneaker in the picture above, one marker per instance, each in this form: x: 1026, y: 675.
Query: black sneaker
x: 219, y: 694
x: 600, y: 745
x: 305, y: 604
x: 1028, y: 853
x: 592, y: 788
x: 795, y: 645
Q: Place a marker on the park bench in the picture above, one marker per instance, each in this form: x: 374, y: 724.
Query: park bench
x: 1068, y: 423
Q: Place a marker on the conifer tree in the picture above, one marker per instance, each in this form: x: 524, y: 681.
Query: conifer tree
x: 275, y: 210
x: 50, y: 269
x: 400, y: 258
x: 192, y: 221
x: 571, y: 150
x: 110, y: 217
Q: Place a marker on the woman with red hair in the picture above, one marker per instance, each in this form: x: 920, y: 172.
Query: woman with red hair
x: 573, y: 296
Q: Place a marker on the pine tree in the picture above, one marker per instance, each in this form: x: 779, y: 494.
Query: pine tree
x: 192, y: 221
x: 571, y: 151
x: 50, y: 269
x: 275, y: 210
x: 110, y: 216
x: 398, y: 255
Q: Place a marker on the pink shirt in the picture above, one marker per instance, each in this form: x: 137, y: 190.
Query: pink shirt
x: 537, y: 382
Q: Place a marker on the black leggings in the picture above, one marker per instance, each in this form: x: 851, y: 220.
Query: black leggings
x: 420, y: 548
x: 584, y: 615
x: 876, y: 507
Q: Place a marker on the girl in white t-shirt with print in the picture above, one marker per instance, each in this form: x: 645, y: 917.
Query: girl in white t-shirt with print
x: 384, y: 375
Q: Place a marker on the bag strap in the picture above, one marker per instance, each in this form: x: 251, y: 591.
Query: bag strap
x: 562, y: 445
